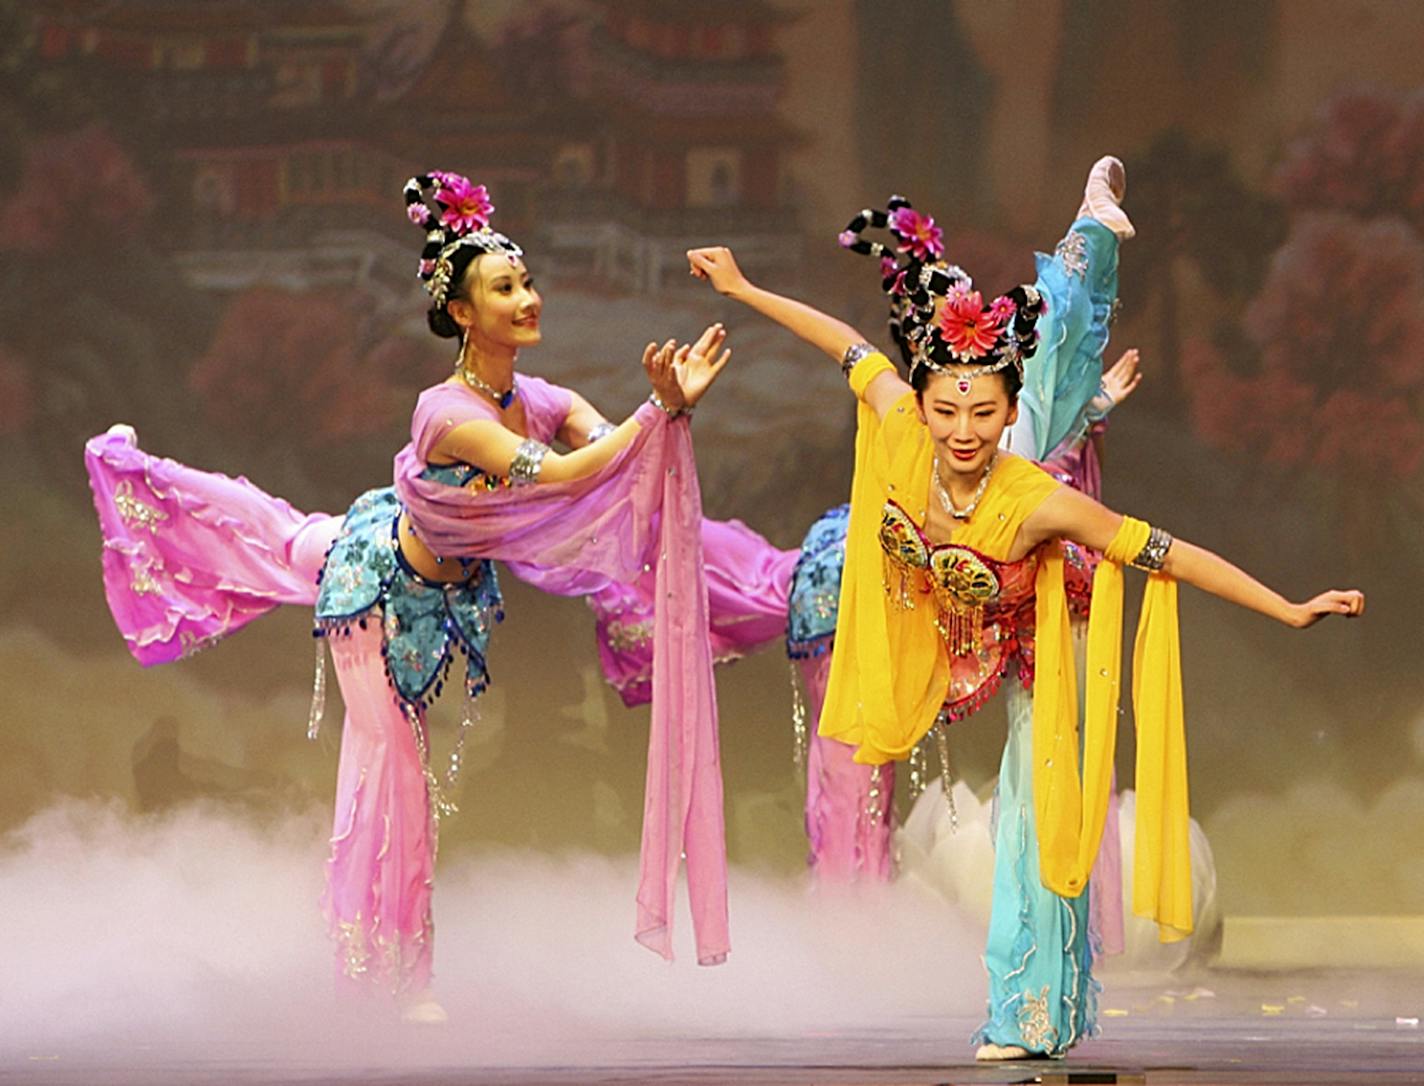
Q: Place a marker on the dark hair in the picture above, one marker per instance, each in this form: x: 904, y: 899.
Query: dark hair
x: 438, y: 316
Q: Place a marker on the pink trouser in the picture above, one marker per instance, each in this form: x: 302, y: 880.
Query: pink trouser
x: 380, y: 874
x: 849, y: 807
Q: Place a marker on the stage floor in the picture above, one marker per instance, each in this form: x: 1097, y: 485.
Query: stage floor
x: 1296, y: 1028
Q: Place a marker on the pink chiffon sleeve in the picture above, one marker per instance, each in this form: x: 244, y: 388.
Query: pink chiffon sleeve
x: 191, y: 556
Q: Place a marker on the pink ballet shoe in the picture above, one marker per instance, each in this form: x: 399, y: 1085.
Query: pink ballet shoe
x: 1102, y: 197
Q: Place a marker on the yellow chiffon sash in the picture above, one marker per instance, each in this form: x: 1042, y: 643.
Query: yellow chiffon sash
x: 890, y: 673
x: 1070, y: 809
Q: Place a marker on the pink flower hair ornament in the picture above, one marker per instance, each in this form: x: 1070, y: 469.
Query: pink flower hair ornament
x: 467, y: 206
x: 936, y: 316
x: 969, y: 328
x: 918, y: 234
x: 455, y: 214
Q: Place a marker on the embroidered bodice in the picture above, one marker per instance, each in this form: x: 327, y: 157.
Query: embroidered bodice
x: 984, y: 608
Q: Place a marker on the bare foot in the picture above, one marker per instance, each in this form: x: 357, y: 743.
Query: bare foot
x: 1001, y: 1052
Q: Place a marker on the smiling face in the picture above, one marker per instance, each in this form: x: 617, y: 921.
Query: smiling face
x: 498, y: 307
x: 966, y: 429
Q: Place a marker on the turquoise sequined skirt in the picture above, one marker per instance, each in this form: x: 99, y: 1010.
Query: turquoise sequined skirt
x: 367, y: 579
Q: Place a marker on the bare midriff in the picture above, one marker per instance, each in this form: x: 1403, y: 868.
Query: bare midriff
x: 422, y: 559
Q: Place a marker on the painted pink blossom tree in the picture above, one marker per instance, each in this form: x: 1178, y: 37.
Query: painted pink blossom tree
x: 1324, y: 368
x: 1337, y: 379
x: 74, y: 184
x: 1365, y: 156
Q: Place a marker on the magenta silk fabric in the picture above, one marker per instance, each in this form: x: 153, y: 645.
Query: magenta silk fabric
x: 848, y: 831
x: 748, y: 582
x: 380, y: 874
x: 191, y: 556
x: 642, y: 512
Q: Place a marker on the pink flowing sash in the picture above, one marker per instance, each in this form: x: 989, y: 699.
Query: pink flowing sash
x: 748, y: 581
x: 642, y: 512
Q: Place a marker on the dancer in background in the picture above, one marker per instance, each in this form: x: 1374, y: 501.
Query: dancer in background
x: 406, y: 579
x: 955, y: 573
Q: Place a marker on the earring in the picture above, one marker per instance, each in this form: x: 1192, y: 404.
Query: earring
x: 464, y: 346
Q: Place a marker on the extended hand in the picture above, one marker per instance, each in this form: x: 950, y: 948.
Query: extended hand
x: 717, y: 265
x: 697, y: 365
x: 1347, y: 602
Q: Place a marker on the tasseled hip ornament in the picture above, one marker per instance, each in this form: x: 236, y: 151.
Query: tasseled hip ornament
x: 874, y: 798
x: 961, y: 625
x: 436, y: 800
x: 318, y: 702
x: 919, y: 771
x: 468, y: 718
x: 896, y: 580
x: 798, y: 725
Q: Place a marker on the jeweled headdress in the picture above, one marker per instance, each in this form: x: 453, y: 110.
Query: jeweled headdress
x: 916, y: 277
x: 454, y: 214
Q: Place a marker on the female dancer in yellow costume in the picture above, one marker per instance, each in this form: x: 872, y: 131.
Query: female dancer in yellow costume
x: 955, y: 549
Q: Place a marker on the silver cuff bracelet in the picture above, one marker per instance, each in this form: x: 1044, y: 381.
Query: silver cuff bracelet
x: 1154, y: 552
x: 602, y: 430
x: 528, y: 460
x: 853, y: 354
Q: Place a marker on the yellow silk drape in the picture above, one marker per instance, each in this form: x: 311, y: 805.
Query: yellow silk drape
x: 1071, y: 807
x: 890, y: 671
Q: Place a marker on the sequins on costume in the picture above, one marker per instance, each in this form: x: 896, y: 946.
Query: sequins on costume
x: 816, y: 586
x: 367, y: 579
x: 984, y: 609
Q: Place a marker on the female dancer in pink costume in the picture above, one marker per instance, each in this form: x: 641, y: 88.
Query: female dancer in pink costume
x: 406, y: 578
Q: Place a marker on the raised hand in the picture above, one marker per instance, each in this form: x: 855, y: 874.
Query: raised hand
x: 1347, y: 602
x: 697, y: 365
x: 658, y: 363
x: 1119, y: 382
x: 717, y: 265
x: 1122, y: 379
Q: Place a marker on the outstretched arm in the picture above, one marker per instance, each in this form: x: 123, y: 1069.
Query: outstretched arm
x: 717, y: 266
x: 1072, y: 515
